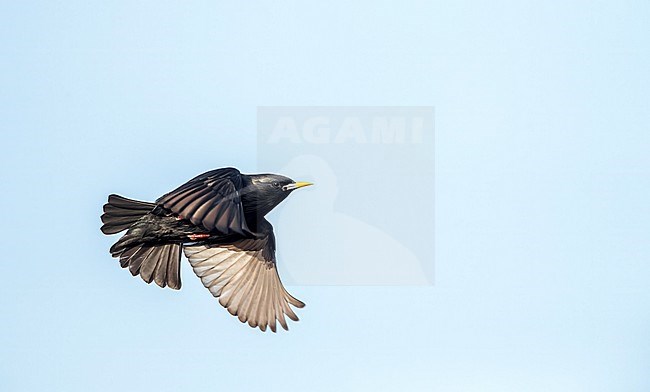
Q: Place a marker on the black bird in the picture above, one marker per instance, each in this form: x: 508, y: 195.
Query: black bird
x: 217, y: 218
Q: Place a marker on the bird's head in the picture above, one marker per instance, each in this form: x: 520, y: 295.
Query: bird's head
x: 265, y: 191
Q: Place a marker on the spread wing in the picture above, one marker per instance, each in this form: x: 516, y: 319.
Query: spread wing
x: 211, y: 200
x: 244, y: 277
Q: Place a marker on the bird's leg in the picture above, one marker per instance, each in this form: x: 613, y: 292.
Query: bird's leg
x: 201, y: 236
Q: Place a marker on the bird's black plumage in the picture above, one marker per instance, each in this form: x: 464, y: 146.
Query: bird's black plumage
x: 217, y: 219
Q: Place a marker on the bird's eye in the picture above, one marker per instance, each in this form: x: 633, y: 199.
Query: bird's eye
x: 276, y: 184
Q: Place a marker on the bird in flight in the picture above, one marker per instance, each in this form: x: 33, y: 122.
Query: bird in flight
x: 217, y: 219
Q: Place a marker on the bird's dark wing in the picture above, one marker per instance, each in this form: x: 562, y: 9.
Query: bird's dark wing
x: 211, y: 200
x: 244, y: 277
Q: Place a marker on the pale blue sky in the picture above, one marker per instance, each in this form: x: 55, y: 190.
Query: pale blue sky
x: 542, y: 189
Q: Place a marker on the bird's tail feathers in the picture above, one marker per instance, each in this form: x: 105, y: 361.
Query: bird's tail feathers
x: 153, y: 262
x: 120, y: 213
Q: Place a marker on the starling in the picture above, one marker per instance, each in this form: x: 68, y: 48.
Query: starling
x: 217, y: 219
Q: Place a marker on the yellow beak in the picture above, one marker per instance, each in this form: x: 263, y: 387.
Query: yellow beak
x: 301, y: 184
x: 295, y: 185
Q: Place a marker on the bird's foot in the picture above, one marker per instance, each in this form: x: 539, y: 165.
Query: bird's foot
x: 195, y: 237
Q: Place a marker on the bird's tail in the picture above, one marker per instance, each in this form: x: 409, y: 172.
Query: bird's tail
x: 153, y: 262
x: 120, y: 213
